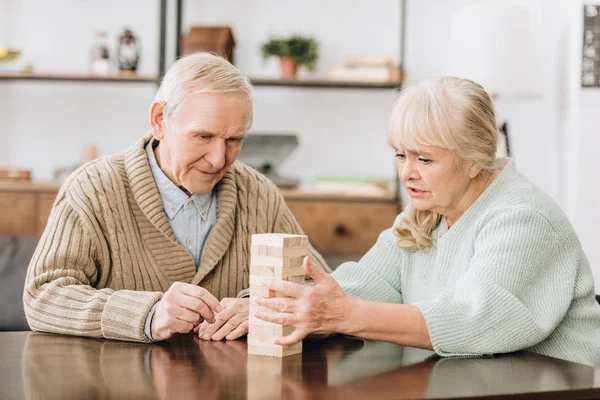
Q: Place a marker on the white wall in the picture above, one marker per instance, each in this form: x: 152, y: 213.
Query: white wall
x: 45, y: 123
x: 581, y: 126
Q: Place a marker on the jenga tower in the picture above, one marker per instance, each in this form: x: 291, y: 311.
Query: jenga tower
x: 274, y: 255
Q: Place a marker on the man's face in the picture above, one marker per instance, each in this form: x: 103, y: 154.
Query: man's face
x: 202, y: 139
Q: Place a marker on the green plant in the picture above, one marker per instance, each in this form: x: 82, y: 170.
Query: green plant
x: 302, y: 50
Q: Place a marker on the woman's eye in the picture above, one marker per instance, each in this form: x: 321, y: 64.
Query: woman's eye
x: 424, y: 161
x: 400, y: 156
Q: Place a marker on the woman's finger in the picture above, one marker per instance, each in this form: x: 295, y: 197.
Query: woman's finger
x: 277, y: 303
x: 285, y: 319
x: 297, y: 336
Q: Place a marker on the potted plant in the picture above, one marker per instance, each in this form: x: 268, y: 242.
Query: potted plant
x: 292, y: 52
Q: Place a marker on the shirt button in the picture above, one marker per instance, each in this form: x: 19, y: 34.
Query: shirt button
x: 203, y: 212
x: 189, y: 241
x: 171, y: 208
x: 191, y: 204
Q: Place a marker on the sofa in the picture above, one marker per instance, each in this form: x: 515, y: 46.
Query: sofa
x: 15, y: 254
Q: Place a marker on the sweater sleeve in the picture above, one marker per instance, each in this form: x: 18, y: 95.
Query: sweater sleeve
x: 60, y: 296
x: 516, y: 289
x: 377, y: 276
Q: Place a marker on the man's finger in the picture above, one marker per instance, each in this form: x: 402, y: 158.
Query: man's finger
x: 201, y: 328
x: 202, y: 294
x: 220, y: 320
x: 314, y: 270
x: 228, y: 327
x: 238, y: 332
x: 196, y: 305
x: 292, y: 338
x: 188, y: 316
x: 180, y: 326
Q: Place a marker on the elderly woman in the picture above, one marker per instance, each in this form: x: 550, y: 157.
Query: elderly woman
x: 480, y: 262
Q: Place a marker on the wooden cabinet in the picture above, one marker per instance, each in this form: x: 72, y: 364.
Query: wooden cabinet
x: 24, y: 208
x: 337, y: 225
x: 342, y: 225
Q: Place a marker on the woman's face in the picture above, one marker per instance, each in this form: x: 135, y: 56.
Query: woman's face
x: 436, y: 180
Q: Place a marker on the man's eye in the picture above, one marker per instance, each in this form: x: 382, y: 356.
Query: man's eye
x: 401, y: 156
x: 425, y: 160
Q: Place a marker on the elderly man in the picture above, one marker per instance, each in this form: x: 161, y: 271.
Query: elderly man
x: 155, y: 240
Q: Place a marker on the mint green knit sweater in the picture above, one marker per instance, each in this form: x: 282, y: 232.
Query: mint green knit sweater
x: 509, y: 275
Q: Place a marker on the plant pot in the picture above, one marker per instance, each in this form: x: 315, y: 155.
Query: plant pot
x: 289, y: 68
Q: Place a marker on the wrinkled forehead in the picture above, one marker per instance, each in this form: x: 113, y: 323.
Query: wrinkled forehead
x: 226, y: 109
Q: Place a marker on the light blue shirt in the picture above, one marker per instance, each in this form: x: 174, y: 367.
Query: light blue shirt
x: 191, y: 217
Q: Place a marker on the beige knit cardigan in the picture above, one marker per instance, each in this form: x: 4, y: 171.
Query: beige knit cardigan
x: 108, y: 252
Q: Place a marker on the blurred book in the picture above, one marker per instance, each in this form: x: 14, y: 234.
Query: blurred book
x: 12, y: 62
x: 378, y: 69
x: 350, y: 185
x: 366, y: 61
x: 14, y: 175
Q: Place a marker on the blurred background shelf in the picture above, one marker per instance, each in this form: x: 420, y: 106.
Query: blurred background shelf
x: 329, y: 84
x: 76, y: 77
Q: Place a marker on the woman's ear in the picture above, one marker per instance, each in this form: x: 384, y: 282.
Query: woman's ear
x: 157, y: 120
x: 474, y: 171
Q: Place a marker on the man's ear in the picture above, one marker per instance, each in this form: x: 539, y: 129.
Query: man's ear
x: 157, y: 120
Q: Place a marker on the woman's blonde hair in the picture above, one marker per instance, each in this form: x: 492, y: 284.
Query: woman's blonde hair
x: 206, y: 72
x: 446, y: 112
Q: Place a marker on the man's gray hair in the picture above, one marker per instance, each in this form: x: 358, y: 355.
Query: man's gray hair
x: 205, y: 73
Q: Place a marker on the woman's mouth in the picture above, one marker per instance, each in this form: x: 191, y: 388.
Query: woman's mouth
x: 412, y: 192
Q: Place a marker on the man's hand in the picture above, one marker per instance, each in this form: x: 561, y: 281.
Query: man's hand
x: 231, y: 323
x: 183, y: 307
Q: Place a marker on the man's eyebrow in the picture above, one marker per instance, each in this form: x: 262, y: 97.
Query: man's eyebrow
x: 201, y: 132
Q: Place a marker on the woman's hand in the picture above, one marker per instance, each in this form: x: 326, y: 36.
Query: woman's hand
x: 320, y: 309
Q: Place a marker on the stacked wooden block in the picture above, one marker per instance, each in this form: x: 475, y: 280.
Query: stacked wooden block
x: 279, y: 256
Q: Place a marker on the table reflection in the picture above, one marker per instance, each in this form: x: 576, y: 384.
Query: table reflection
x: 63, y: 367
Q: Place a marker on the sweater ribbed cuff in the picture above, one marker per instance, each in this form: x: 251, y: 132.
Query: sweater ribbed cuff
x: 437, y: 324
x: 125, y: 314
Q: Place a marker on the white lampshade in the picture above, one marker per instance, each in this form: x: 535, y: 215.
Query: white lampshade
x: 494, y: 46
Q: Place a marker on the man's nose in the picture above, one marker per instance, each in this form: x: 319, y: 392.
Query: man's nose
x: 216, y: 154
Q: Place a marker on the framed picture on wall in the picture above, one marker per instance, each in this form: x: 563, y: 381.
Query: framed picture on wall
x: 590, y: 63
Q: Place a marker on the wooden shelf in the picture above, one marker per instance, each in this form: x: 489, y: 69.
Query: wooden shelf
x: 307, y: 195
x: 325, y: 84
x: 76, y: 77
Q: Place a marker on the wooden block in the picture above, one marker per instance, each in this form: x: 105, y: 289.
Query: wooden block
x: 266, y: 271
x: 294, y: 261
x: 262, y: 291
x: 280, y: 240
x: 274, y: 251
x: 255, y: 321
x: 299, y: 279
x: 262, y: 340
x: 252, y: 320
x: 257, y: 288
x: 263, y: 332
x: 275, y: 350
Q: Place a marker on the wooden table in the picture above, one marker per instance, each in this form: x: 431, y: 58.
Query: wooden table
x: 35, y: 365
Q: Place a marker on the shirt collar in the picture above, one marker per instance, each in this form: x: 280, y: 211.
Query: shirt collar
x: 173, y: 198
